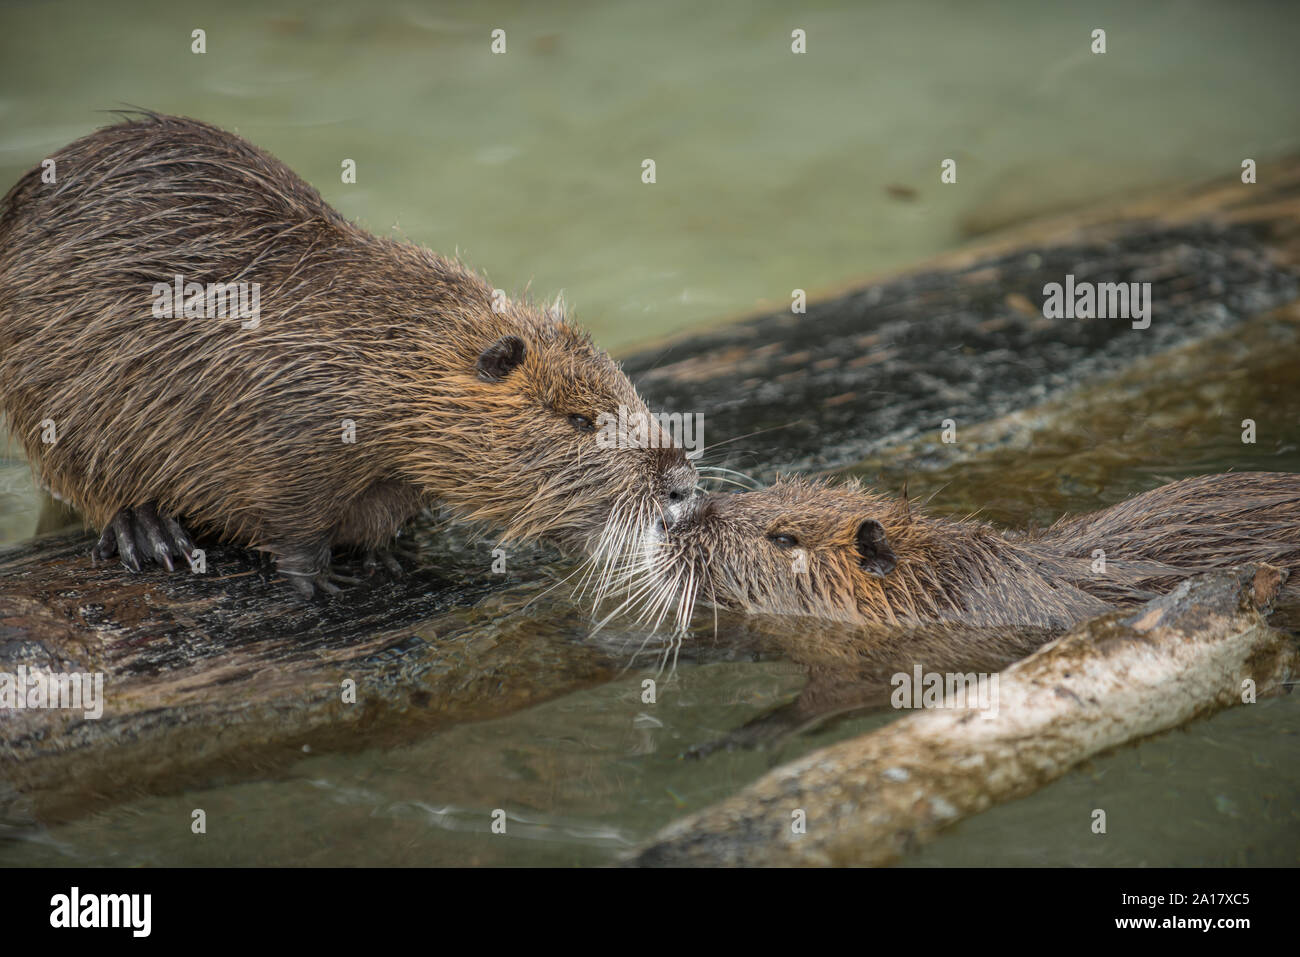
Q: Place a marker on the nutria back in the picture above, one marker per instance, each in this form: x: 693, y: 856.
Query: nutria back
x: 1155, y: 539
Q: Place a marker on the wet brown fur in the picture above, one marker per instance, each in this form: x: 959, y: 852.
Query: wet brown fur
x: 967, y: 572
x: 239, y: 431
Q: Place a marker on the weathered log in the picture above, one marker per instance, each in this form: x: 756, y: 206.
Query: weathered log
x: 1109, y: 681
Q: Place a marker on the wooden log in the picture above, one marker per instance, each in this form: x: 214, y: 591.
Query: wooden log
x: 1110, y: 681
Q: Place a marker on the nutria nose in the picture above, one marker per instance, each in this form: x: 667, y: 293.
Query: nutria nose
x: 678, y: 497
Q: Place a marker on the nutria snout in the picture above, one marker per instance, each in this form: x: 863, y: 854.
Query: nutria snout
x: 845, y: 553
x: 375, y: 379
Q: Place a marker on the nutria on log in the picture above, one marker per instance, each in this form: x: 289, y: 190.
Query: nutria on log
x: 843, y: 553
x: 371, y: 378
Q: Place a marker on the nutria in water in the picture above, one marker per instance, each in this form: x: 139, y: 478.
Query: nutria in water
x: 847, y: 554
x: 369, y: 378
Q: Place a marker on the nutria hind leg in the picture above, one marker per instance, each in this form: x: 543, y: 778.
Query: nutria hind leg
x: 372, y: 558
x: 388, y: 557
x: 138, y: 534
x: 309, y: 569
x: 372, y: 524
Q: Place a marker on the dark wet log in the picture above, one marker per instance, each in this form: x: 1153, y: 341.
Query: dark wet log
x: 965, y: 337
x: 229, y: 671
x: 1110, y: 681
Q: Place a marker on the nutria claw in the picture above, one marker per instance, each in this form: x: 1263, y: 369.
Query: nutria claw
x: 138, y: 534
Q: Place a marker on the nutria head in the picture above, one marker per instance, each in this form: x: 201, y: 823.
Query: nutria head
x: 798, y: 547
x: 543, y: 441
x: 841, y: 553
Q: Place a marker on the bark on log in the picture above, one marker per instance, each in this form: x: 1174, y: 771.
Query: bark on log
x: 1110, y: 681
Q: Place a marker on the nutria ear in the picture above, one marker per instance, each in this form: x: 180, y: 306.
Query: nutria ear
x: 874, y: 554
x: 500, y: 358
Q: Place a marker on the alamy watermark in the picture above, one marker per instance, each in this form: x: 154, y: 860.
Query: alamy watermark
x: 651, y: 430
x: 129, y: 911
x: 31, y: 688
x: 977, y: 690
x: 1100, y: 300
x: 217, y: 300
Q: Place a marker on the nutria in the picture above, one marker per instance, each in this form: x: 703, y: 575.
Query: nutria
x: 843, y: 553
x: 374, y: 377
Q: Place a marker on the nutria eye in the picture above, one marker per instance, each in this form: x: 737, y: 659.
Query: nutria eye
x: 785, y: 541
x: 581, y: 423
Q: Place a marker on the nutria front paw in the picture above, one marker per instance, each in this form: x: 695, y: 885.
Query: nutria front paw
x: 764, y: 733
x: 310, y: 569
x: 139, y: 534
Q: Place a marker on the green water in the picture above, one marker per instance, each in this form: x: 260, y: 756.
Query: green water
x: 775, y: 171
x: 583, y: 778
